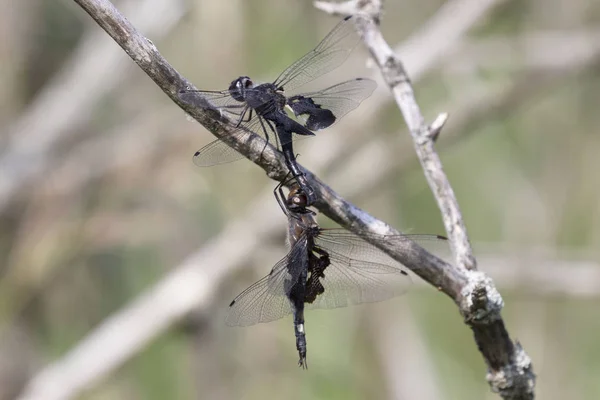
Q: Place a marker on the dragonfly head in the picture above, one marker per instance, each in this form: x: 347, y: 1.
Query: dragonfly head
x: 297, y: 200
x: 237, y: 88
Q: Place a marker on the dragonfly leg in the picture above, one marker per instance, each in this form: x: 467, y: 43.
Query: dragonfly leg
x: 266, y: 121
x: 280, y: 196
x: 241, y: 119
x: 292, y: 165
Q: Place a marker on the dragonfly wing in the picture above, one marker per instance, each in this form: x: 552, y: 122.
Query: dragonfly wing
x: 219, y: 152
x: 215, y: 153
x: 267, y: 300
x: 347, y: 243
x: 264, y: 301
x: 348, y: 281
x: 329, y: 54
x: 359, y: 272
x: 219, y: 100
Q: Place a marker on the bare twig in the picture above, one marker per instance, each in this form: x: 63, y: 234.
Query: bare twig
x: 510, y: 370
x: 423, y: 137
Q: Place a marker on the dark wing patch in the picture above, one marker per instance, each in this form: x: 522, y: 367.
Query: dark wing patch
x: 321, y: 109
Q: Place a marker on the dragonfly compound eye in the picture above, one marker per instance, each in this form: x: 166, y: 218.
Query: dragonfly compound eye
x: 237, y: 88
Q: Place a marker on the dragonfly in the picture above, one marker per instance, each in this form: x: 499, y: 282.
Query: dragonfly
x: 261, y: 108
x: 324, y: 269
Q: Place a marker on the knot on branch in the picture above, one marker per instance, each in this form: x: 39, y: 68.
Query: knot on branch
x: 516, y: 380
x: 481, y: 302
x: 436, y: 126
x: 372, y: 8
x: 393, y: 72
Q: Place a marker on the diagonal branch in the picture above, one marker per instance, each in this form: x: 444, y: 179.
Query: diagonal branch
x: 509, y: 368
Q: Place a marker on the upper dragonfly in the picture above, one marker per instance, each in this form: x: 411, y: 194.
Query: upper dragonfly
x: 261, y: 108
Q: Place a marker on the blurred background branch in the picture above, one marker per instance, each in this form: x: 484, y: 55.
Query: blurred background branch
x: 82, y: 241
x: 94, y: 69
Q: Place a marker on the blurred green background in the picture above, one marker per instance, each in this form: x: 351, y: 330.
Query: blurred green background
x: 100, y: 204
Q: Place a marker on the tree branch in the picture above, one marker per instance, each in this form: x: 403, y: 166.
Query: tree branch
x: 510, y: 370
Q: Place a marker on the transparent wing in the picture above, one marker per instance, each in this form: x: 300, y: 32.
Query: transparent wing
x: 328, y: 55
x: 218, y: 152
x: 215, y: 153
x: 348, y: 282
x: 266, y: 300
x: 347, y: 243
x: 359, y: 272
x: 220, y: 100
x: 340, y: 99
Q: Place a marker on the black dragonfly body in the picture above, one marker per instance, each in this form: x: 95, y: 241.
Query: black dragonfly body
x: 261, y: 108
x: 324, y: 268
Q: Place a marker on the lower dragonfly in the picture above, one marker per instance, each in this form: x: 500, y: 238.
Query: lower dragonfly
x: 324, y: 268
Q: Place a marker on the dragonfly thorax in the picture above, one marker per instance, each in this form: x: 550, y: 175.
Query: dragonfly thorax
x: 265, y: 98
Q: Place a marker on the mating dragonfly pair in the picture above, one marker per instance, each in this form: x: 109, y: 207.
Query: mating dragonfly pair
x: 324, y: 268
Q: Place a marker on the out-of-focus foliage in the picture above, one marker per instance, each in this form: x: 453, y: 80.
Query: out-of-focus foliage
x: 120, y: 203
